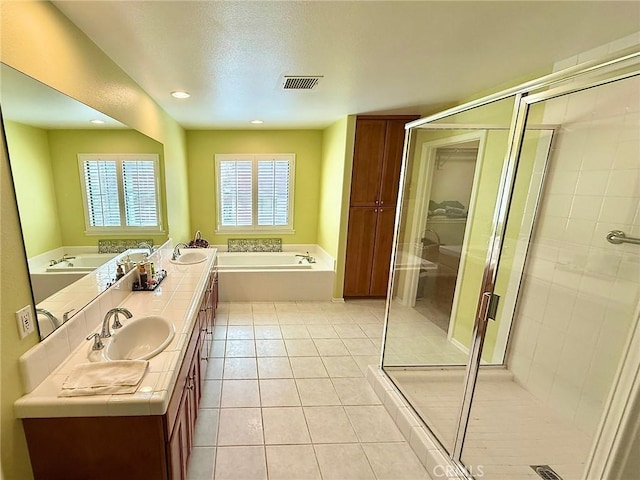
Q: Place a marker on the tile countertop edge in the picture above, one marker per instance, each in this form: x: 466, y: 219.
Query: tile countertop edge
x: 44, y: 402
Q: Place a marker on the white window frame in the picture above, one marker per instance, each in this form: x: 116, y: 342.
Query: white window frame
x: 119, y: 158
x: 255, y: 228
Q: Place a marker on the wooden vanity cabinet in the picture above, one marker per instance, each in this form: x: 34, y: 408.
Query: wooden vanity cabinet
x: 154, y: 447
x: 377, y: 159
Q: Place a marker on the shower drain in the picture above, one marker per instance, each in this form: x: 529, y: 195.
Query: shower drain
x: 546, y: 472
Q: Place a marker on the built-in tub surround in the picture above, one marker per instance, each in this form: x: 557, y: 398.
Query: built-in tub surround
x: 276, y: 276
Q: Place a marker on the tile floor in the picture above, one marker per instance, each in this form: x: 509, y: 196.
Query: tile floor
x: 285, y: 397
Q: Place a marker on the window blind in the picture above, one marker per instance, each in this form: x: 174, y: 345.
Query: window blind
x: 236, y: 185
x: 139, y: 183
x: 273, y: 192
x: 101, y: 184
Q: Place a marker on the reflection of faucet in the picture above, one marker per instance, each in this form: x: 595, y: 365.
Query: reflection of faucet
x: 65, y: 315
x: 306, y: 257
x: 145, y: 245
x: 424, y: 235
x: 52, y: 318
x: 176, y: 251
x: 116, y: 322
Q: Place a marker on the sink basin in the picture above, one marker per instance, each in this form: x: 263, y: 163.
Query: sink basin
x: 140, y: 338
x: 189, y: 258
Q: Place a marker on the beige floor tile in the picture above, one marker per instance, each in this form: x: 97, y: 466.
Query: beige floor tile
x: 240, y: 368
x: 364, y: 361
x: 265, y: 318
x: 289, y: 318
x: 360, y: 346
x: 274, y: 367
x: 240, y: 348
x: 279, y: 393
x: 268, y: 332
x: 206, y: 431
x: 240, y: 426
x: 373, y: 424
x: 240, y: 393
x: 341, y: 367
x: 308, y: 367
x: 330, y: 346
x: 301, y: 347
x: 220, y: 332
x: 201, y: 463
x: 342, y: 462
x: 394, y: 461
x: 284, y: 426
x: 316, y: 318
x: 316, y: 392
x: 237, y: 320
x: 349, y: 331
x: 292, y: 462
x: 329, y: 425
x: 240, y: 463
x: 355, y: 391
x: 322, y: 331
x: 211, y: 394
x: 294, y: 331
x: 214, y: 369
x: 217, y: 348
x: 235, y: 332
x: 263, y: 307
x: 270, y: 348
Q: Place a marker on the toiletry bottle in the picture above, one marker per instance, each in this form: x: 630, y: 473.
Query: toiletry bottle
x: 119, y: 272
x: 142, y: 272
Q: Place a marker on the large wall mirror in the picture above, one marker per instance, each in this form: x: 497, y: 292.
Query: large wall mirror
x: 46, y: 131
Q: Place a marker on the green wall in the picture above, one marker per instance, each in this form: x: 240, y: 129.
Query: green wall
x: 203, y: 145
x: 35, y: 189
x: 65, y: 145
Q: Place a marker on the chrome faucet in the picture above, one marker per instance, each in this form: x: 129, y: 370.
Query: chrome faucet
x: 306, y: 257
x: 52, y: 318
x: 65, y: 315
x: 145, y: 245
x: 176, y: 250
x: 66, y: 257
x: 105, y: 333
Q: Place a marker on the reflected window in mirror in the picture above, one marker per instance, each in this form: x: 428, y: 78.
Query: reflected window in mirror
x: 120, y: 192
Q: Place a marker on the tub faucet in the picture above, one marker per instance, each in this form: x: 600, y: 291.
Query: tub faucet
x: 52, y: 318
x: 66, y: 257
x: 306, y: 257
x: 176, y: 251
x: 105, y: 333
x: 145, y: 245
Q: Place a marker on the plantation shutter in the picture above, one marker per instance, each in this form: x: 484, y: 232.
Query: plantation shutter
x: 101, y: 184
x: 236, y: 193
x: 273, y: 192
x: 139, y: 183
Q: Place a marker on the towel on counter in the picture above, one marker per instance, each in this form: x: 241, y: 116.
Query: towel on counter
x: 117, y: 377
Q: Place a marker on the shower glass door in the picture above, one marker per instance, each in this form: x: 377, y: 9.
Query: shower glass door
x: 568, y: 296
x: 451, y: 173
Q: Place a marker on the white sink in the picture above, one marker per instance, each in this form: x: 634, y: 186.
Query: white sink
x: 189, y: 258
x: 140, y: 338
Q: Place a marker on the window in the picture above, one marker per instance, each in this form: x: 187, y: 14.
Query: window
x: 255, y: 192
x: 120, y: 192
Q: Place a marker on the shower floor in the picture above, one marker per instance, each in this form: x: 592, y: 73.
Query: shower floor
x: 509, y: 429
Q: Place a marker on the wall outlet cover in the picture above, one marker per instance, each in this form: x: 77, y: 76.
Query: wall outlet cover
x: 24, y: 317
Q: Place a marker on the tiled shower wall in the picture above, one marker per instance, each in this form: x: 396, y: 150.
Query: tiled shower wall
x: 580, y: 293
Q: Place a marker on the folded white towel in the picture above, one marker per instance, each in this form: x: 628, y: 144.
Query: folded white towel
x: 117, y: 377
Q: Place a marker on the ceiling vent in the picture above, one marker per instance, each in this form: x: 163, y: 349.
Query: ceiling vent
x: 300, y: 82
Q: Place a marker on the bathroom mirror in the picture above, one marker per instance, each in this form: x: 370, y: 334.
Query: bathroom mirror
x: 45, y: 131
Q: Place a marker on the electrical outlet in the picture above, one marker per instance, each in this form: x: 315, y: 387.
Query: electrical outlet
x: 24, y: 317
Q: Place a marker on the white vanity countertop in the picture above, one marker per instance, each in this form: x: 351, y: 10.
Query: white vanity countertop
x: 178, y: 298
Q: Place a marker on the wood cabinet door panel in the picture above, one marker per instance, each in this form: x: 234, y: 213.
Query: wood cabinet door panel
x: 367, y: 162
x: 382, y: 252
x: 390, y: 178
x: 360, y: 247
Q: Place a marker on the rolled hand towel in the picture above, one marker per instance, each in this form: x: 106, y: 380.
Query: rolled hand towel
x: 116, y: 377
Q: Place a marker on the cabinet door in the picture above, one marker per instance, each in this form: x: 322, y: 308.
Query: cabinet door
x: 367, y: 162
x: 179, y: 442
x: 382, y: 252
x: 390, y: 178
x: 360, y: 247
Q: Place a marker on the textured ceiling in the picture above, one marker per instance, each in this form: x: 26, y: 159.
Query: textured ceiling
x: 387, y: 56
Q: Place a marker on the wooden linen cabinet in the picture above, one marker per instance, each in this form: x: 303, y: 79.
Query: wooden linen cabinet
x: 377, y: 159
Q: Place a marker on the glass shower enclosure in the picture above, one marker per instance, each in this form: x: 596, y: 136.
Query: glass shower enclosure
x: 513, y: 303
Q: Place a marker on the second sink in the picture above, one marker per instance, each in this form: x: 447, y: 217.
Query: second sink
x: 140, y: 338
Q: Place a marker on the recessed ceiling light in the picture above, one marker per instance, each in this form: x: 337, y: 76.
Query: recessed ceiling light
x: 180, y: 94
x: 97, y: 122
x: 257, y: 122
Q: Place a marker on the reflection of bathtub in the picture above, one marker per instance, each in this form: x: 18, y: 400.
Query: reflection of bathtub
x: 274, y: 276
x: 87, y: 262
